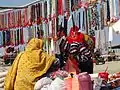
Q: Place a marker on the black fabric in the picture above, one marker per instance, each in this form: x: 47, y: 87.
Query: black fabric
x: 3, y: 38
x: 15, y: 32
x: 72, y: 4
x: 18, y: 38
x: 86, y: 67
x: 108, y: 11
x: 65, y: 26
x: 7, y: 38
x: 45, y: 9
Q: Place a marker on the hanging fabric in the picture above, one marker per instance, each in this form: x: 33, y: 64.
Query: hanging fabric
x: 60, y: 7
x: 105, y: 13
x: 108, y: 11
x: 25, y: 35
x: 15, y: 36
x: 69, y: 24
x: 67, y: 5
x: 18, y: 37
x: 45, y: 9
x: 111, y: 8
x: 65, y: 26
x: 119, y: 7
x: 72, y: 4
x: 81, y: 22
x: 86, y: 21
x: 48, y: 9
x: 102, y: 17
x: 0, y: 22
x: 11, y: 37
x: 4, y: 21
x: 110, y: 34
x: 115, y: 8
x: 8, y: 37
x: 77, y: 18
x: 30, y: 35
x: 64, y: 6
x: 25, y: 17
x: 37, y: 12
x: 1, y: 39
x: 29, y: 15
x: 15, y: 18
x: 21, y: 36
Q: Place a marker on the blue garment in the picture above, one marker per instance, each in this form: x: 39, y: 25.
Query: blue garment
x: 117, y: 88
x: 1, y: 38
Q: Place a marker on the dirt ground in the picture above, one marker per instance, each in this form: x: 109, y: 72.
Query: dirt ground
x: 113, y: 67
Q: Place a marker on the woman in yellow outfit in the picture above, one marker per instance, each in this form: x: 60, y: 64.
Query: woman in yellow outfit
x: 28, y: 67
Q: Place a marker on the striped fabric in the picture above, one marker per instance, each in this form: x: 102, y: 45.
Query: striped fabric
x: 84, y: 54
x: 78, y: 50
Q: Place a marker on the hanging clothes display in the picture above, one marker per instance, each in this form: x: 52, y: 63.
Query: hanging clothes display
x: 20, y: 25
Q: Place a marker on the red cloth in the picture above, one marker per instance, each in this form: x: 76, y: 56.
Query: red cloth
x: 60, y: 7
x: 75, y: 36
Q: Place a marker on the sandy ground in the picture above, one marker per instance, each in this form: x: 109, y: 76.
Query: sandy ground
x: 113, y: 67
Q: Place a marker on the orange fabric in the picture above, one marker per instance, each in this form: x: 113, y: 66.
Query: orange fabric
x: 72, y: 83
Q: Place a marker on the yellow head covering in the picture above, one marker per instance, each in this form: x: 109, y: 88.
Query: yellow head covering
x: 89, y: 41
x: 28, y: 67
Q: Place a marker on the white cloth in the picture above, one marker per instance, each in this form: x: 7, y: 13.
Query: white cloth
x: 25, y: 35
x: 57, y: 84
x: 97, y: 41
x: 111, y: 8
x: 2, y: 51
x: 110, y: 34
x: 116, y: 26
x: 69, y: 24
x: 43, y: 84
x: 57, y: 49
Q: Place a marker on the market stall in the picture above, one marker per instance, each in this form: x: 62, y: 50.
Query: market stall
x: 68, y: 32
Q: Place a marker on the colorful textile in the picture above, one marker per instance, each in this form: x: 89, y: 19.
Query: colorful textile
x: 28, y: 67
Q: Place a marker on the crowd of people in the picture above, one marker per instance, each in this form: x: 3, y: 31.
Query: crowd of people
x: 34, y: 63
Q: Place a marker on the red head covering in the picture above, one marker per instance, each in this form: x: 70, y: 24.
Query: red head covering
x: 75, y: 36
